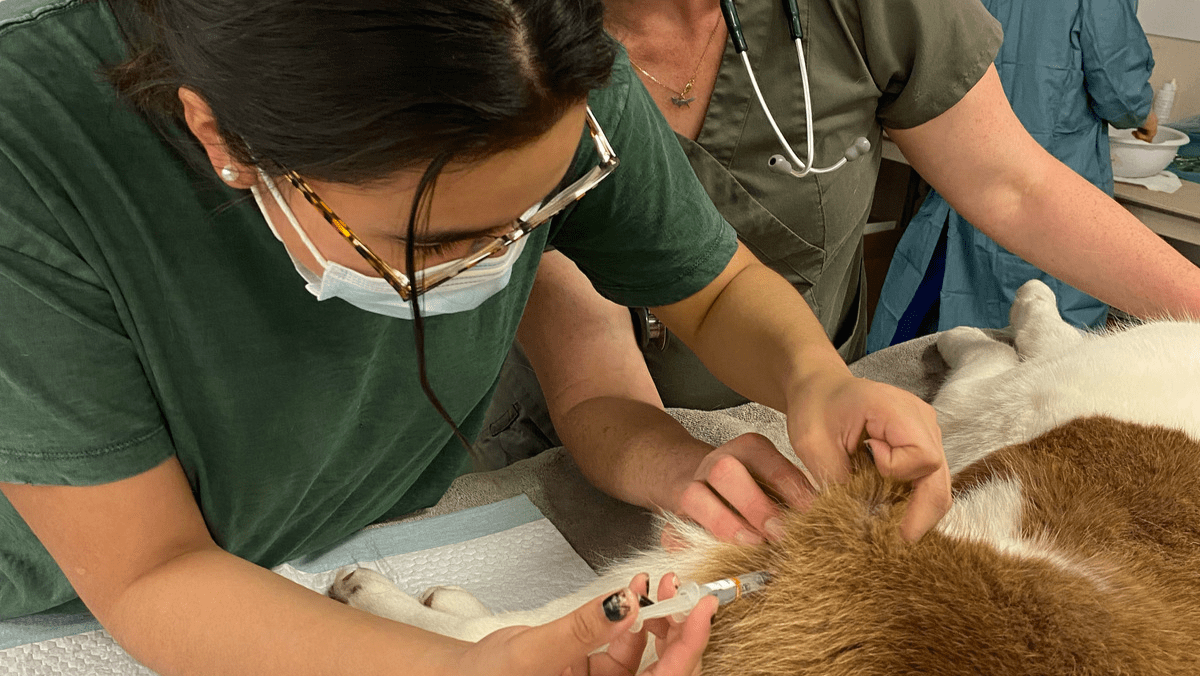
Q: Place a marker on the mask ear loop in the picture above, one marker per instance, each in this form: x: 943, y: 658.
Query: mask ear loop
x: 421, y: 199
x: 291, y: 218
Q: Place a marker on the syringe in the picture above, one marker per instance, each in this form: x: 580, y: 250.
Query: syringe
x: 690, y: 593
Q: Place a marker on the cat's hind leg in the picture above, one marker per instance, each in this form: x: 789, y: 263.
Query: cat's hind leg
x: 972, y: 356
x: 1037, y: 326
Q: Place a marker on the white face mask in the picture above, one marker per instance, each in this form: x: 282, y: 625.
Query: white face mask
x: 462, y: 292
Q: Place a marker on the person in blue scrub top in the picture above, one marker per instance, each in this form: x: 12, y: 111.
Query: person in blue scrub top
x: 1069, y: 69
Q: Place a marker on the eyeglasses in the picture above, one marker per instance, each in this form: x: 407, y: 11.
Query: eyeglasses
x: 484, y: 248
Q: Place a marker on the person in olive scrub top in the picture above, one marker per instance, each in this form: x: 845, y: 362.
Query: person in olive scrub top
x: 212, y: 359
x: 921, y: 69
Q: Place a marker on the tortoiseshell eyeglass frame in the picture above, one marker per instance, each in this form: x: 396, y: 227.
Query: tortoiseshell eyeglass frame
x: 400, y: 281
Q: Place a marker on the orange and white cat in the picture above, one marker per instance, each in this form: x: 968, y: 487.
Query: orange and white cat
x: 1073, y: 546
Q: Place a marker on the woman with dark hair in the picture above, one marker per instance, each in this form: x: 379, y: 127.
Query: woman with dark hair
x: 177, y: 410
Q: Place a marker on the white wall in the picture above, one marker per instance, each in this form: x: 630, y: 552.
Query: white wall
x: 1179, y: 60
x: 1173, y: 28
x: 1171, y: 18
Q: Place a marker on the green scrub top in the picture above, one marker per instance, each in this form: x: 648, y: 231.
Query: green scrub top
x: 871, y: 64
x: 149, y: 313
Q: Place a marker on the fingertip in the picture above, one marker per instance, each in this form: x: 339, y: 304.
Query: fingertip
x: 881, y: 454
x: 640, y: 584
x: 747, y: 537
x: 620, y: 605
x: 705, y: 611
x: 915, y: 522
x: 774, y: 529
x: 911, y: 532
x: 667, y: 586
x: 923, y: 512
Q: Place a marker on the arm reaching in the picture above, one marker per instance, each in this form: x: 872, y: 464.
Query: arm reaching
x: 138, y: 553
x: 140, y: 556
x: 607, y: 412
x: 981, y: 159
x: 757, y: 334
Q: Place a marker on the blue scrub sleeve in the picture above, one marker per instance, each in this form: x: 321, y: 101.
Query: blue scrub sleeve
x: 1117, y: 61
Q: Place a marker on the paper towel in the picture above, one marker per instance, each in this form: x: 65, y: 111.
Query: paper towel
x: 1163, y: 181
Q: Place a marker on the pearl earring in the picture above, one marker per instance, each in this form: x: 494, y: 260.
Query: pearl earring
x: 229, y: 173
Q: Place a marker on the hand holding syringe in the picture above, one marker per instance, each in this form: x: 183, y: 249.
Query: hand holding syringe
x: 690, y: 593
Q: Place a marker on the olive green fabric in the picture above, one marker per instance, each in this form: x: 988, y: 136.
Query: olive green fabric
x: 148, y: 312
x: 871, y: 64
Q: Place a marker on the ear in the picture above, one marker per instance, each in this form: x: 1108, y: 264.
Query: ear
x: 203, y: 125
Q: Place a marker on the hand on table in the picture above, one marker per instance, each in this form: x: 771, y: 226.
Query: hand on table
x: 565, y: 646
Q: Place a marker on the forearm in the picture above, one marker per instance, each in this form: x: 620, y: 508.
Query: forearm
x: 600, y: 395
x: 758, y: 335
x: 631, y: 449
x: 609, y: 416
x: 988, y: 167
x: 1069, y: 228
x: 209, y: 612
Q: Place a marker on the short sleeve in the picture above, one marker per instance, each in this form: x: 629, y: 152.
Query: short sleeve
x: 1117, y: 62
x: 75, y: 405
x: 649, y: 234
x: 925, y: 55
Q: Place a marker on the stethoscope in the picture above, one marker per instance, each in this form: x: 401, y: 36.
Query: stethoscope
x: 779, y: 163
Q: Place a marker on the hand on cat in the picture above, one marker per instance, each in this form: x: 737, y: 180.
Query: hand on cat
x: 726, y: 495
x: 565, y: 646
x: 826, y: 419
x: 728, y: 491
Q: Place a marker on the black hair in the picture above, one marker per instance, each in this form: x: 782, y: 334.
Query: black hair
x: 353, y: 91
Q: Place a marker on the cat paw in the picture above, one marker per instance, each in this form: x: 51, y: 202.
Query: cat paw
x: 455, y: 601
x: 368, y: 590
x: 1033, y: 300
x: 955, y: 343
x: 355, y: 584
x: 1038, y: 329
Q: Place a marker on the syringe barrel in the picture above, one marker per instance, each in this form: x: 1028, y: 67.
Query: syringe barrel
x: 730, y: 588
x: 685, y: 598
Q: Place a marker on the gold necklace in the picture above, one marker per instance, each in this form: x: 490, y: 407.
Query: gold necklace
x: 681, y: 98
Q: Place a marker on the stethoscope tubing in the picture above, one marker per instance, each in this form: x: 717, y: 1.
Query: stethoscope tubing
x: 807, y: 167
x: 778, y: 162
